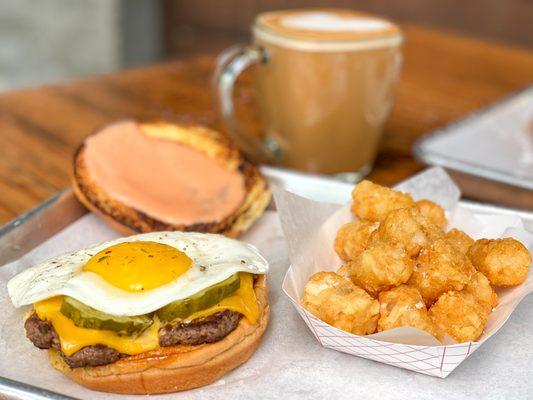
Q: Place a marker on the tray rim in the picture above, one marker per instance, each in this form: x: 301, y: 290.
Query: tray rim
x: 16, y: 390
x: 430, y: 158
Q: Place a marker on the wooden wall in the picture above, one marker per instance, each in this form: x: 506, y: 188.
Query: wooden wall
x: 210, y: 25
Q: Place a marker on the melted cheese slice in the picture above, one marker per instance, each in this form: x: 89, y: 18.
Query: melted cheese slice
x: 242, y: 301
x: 74, y: 338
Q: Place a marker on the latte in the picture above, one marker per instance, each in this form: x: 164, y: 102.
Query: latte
x: 326, y: 82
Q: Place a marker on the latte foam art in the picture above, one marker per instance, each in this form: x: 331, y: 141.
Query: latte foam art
x: 329, y: 22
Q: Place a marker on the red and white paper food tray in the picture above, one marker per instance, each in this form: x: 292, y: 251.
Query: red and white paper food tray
x: 310, y: 228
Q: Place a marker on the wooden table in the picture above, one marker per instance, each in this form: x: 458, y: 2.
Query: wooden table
x: 444, y: 78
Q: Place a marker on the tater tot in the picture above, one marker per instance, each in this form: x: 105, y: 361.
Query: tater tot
x: 505, y: 262
x: 480, y: 288
x: 409, y: 228
x: 403, y: 306
x: 344, y: 271
x: 352, y: 238
x: 338, y: 302
x: 380, y: 267
x: 433, y: 212
x: 459, y: 315
x: 439, y: 268
x: 373, y: 202
x: 459, y: 239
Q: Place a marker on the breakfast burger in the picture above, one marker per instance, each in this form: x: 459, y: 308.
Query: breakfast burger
x: 152, y: 313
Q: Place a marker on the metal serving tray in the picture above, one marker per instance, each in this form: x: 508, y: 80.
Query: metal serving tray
x: 503, y: 135
x: 490, y: 152
x: 45, y: 220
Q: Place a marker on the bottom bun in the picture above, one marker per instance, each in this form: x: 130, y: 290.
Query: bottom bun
x: 175, y: 368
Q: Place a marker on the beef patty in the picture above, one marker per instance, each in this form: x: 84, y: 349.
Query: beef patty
x: 202, y: 330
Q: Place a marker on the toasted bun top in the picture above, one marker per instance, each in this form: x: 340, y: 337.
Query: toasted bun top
x: 162, y: 176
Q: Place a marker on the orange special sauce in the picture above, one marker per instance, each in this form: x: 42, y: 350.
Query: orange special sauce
x: 164, y: 179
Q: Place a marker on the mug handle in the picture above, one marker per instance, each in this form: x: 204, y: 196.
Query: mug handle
x: 230, y: 64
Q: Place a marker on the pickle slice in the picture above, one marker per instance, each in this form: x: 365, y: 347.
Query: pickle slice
x: 84, y: 316
x: 208, y: 297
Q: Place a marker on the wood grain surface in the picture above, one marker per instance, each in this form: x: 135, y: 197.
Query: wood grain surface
x: 444, y: 78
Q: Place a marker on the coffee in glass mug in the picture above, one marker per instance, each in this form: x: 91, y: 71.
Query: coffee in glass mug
x: 326, y: 82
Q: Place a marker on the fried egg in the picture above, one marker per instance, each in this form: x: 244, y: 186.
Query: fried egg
x: 138, y: 274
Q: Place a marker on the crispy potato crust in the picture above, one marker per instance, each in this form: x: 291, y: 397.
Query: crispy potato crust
x: 433, y: 212
x: 480, y: 288
x: 344, y: 270
x: 504, y: 262
x: 404, y: 306
x: 459, y: 315
x: 380, y: 267
x: 352, y: 238
x: 440, y: 267
x: 409, y: 228
x: 459, y: 239
x: 373, y: 202
x: 338, y: 302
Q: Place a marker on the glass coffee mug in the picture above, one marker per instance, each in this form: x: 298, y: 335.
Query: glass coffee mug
x: 326, y: 81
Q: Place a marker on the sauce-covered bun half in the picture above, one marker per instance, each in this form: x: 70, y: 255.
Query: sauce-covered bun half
x: 154, y: 176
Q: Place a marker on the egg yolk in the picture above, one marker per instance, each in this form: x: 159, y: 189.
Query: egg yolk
x: 139, y: 266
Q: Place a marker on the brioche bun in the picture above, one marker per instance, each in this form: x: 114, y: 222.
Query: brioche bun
x: 128, y: 220
x: 175, y: 368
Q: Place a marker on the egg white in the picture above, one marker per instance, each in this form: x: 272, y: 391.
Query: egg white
x: 218, y: 256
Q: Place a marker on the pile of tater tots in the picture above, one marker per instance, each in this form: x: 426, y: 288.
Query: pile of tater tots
x: 401, y: 268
